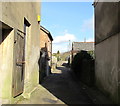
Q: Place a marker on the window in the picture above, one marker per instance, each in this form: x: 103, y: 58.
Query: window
x: 4, y: 31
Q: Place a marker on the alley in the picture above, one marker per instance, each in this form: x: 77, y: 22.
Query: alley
x: 60, y: 52
x: 62, y: 84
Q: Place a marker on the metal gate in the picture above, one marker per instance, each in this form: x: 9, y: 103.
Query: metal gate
x: 19, y: 63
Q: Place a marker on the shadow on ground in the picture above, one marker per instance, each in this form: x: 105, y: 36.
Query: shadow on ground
x: 62, y: 69
x: 65, y: 88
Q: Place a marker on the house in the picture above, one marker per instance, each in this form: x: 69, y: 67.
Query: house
x: 45, y: 52
x: 107, y: 48
x: 78, y: 46
x: 19, y: 49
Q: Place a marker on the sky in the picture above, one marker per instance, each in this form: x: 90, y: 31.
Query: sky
x: 68, y: 22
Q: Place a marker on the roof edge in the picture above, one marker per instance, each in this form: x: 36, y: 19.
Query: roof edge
x: 47, y: 32
x: 83, y: 42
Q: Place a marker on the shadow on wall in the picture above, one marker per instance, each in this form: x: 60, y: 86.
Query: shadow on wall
x: 83, y: 67
x: 44, y: 68
x: 4, y: 31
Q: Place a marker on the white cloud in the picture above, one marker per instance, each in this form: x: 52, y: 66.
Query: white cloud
x: 88, y: 24
x: 64, y: 38
x: 60, y: 47
x: 61, y: 43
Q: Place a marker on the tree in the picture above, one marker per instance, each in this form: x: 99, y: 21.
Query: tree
x: 58, y: 52
x: 58, y: 55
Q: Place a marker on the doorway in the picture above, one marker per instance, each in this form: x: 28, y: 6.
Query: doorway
x: 19, y: 63
x: 19, y: 59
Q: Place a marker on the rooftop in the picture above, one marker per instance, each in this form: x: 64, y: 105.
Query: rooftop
x: 47, y: 32
x: 88, y: 46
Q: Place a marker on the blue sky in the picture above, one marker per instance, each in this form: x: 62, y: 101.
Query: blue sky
x: 68, y: 21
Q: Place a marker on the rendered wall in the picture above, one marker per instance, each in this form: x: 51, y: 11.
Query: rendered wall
x: 6, y: 67
x: 13, y: 14
x: 106, y: 67
x: 107, y: 48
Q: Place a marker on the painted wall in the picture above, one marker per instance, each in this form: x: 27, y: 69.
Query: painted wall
x: 13, y: 14
x: 107, y: 48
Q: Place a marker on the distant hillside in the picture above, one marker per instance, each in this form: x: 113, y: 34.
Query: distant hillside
x: 63, y: 56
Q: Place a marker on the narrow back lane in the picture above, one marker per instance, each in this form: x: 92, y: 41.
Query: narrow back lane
x: 62, y: 85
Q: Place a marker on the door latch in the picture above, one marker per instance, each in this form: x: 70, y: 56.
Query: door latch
x: 20, y: 62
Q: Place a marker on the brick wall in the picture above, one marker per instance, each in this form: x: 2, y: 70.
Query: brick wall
x: 46, y: 42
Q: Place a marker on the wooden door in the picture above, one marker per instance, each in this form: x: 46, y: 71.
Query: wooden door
x: 19, y: 63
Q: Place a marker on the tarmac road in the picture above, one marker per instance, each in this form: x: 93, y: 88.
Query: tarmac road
x: 62, y: 85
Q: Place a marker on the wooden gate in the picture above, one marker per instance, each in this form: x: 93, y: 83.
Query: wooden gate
x: 19, y: 63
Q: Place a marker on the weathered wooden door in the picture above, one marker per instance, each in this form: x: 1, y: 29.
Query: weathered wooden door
x: 19, y: 63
